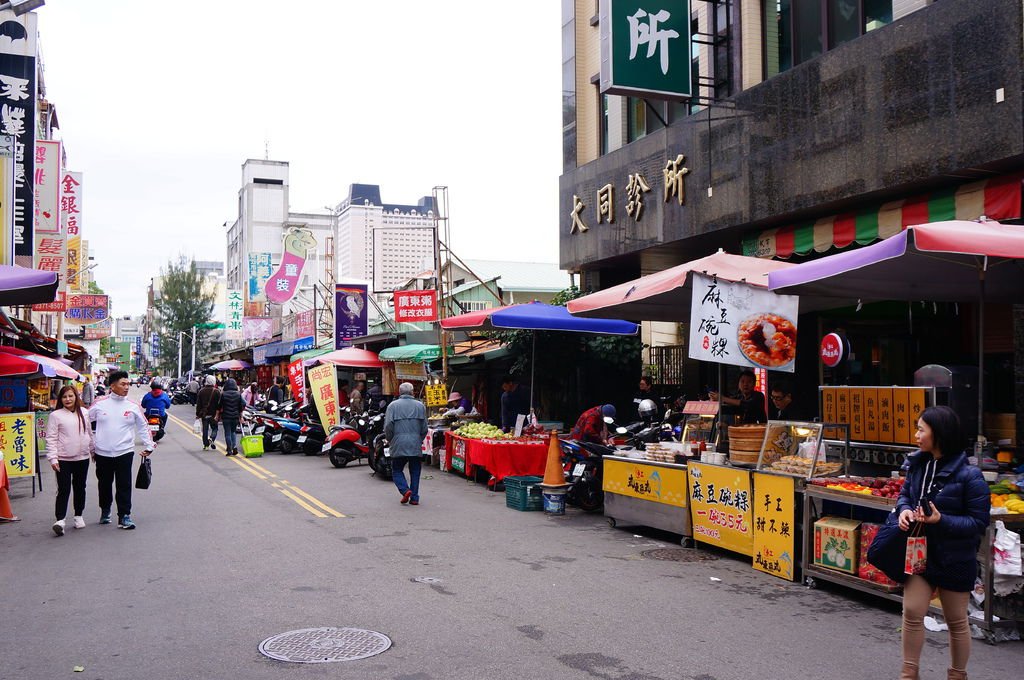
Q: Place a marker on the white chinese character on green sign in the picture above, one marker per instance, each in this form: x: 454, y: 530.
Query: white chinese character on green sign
x: 649, y: 34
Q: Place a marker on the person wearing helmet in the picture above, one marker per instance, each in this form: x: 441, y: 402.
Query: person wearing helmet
x: 591, y: 426
x: 156, y: 402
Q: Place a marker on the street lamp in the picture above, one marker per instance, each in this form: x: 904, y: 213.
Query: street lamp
x: 20, y: 7
x: 181, y: 333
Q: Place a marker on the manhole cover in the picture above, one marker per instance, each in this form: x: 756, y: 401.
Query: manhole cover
x: 678, y: 555
x: 324, y: 645
x: 430, y: 580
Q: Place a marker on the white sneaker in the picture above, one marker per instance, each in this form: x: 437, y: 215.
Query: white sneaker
x: 58, y: 527
x: 79, y: 522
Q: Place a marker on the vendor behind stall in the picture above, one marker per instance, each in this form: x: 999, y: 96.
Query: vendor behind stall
x: 782, y: 406
x: 646, y: 392
x: 748, y: 405
x: 591, y: 426
x: 458, y: 405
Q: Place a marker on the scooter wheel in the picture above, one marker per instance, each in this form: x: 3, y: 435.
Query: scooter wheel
x: 337, y: 460
x: 612, y: 522
x: 287, y: 446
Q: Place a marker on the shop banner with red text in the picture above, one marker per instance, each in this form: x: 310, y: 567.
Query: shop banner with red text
x: 324, y: 386
x: 415, y: 305
x: 297, y: 378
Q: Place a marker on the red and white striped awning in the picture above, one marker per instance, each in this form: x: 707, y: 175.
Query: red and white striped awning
x: 997, y: 198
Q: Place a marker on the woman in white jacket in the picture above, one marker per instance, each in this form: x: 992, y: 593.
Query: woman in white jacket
x: 68, y: 448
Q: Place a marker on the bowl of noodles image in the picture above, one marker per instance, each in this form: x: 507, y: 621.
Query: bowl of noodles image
x: 767, y: 340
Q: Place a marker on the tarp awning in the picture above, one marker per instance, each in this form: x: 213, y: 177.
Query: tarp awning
x: 997, y: 199
x: 310, y: 354
x: 413, y: 353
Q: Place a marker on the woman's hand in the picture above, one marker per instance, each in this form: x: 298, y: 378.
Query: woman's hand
x: 933, y: 518
x: 906, y: 517
x: 55, y: 465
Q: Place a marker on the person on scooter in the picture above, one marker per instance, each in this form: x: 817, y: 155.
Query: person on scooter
x: 591, y: 426
x: 156, y: 402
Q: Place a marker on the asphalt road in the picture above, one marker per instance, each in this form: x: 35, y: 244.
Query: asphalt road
x: 228, y: 553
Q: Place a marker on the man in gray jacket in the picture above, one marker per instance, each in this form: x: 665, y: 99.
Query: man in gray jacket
x: 405, y: 426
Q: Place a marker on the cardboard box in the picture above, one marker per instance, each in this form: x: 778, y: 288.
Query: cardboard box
x: 837, y: 544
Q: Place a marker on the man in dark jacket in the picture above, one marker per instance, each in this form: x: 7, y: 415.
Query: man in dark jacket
x: 405, y: 426
x: 207, y: 405
x: 515, y: 401
x: 231, y: 406
x: 276, y: 393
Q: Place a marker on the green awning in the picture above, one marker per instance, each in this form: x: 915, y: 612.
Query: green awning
x: 310, y: 354
x: 412, y: 353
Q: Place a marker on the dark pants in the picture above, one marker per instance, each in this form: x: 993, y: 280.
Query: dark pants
x: 398, y: 474
x: 115, y: 471
x: 72, y: 475
x: 230, y: 437
x: 209, y: 431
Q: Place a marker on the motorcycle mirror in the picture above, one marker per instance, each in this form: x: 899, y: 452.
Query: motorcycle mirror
x: 609, y: 420
x: 362, y: 422
x: 272, y: 403
x: 621, y: 430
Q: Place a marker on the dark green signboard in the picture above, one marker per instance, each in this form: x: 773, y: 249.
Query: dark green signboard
x: 645, y: 48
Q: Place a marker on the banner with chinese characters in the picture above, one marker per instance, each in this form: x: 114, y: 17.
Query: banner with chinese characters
x: 51, y: 255
x: 73, y: 263
x: 305, y: 324
x: 647, y: 482
x: 297, y: 378
x: 415, y: 305
x: 284, y: 283
x: 18, y: 442
x: 154, y: 345
x: 7, y: 182
x: 46, y: 193
x: 324, y: 388
x: 233, y: 311
x: 18, y: 96
x: 775, y: 525
x: 260, y: 268
x: 742, y: 325
x: 257, y: 328
x: 86, y: 310
x: 98, y: 331
x: 350, y: 319
x: 720, y: 507
x: 71, y: 203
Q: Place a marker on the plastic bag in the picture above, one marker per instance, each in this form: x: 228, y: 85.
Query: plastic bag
x: 1006, y: 556
x: 197, y: 427
x: 145, y: 476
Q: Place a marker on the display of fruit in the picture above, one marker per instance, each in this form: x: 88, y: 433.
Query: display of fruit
x: 482, y: 431
x: 883, y: 487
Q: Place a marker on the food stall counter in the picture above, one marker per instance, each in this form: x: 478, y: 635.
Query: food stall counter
x: 647, y: 493
x: 501, y: 458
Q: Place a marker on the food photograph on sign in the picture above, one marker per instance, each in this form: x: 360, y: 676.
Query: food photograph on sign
x: 767, y: 340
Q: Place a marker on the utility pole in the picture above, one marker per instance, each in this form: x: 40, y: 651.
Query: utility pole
x: 180, y: 333
x: 193, y: 350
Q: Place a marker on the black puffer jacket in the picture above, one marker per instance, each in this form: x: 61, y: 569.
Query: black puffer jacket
x: 961, y: 496
x: 231, y: 404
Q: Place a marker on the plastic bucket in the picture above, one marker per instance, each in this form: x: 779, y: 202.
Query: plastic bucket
x: 554, y: 501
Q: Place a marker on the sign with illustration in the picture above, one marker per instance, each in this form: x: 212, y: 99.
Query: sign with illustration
x: 350, y: 319
x: 284, y: 283
x: 645, y: 48
x: 18, y: 442
x: 653, y: 483
x: 775, y: 525
x: 47, y: 187
x: 742, y: 325
x: 720, y: 506
x: 260, y: 269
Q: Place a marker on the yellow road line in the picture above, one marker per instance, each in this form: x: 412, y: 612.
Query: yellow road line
x: 289, y: 490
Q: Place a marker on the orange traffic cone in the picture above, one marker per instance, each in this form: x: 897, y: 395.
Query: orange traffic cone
x: 553, y: 473
x: 6, y: 513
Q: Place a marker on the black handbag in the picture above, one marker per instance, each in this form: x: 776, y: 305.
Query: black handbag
x: 145, y: 474
x: 888, y: 552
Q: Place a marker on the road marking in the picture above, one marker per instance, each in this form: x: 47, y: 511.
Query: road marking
x: 297, y: 495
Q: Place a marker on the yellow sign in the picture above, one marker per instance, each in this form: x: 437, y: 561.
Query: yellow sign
x: 18, y: 442
x: 437, y: 395
x: 74, y: 264
x: 775, y: 525
x: 720, y: 507
x: 324, y: 387
x: 646, y: 482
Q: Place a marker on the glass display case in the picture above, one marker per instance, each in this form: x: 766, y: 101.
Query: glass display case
x: 795, y: 448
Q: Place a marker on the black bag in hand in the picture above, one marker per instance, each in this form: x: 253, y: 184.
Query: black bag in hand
x: 888, y: 552
x: 145, y: 474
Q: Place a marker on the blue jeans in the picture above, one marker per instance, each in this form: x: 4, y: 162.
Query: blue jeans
x: 209, y: 431
x: 398, y: 474
x: 230, y: 440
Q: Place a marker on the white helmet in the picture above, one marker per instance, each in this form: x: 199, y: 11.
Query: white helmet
x: 647, y: 409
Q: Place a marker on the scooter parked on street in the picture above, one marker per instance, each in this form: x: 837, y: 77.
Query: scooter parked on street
x: 348, y: 442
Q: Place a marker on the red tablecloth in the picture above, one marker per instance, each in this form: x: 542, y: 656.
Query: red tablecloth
x: 503, y: 459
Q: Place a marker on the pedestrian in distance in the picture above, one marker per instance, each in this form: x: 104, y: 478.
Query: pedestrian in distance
x: 207, y: 407
x: 405, y: 426
x: 355, y: 397
x: 69, y: 446
x: 192, y: 390
x: 951, y: 499
x: 117, y: 423
x: 231, y: 407
x: 276, y: 393
x: 88, y: 392
x: 249, y: 394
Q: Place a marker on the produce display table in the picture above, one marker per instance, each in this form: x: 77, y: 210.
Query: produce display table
x: 500, y: 458
x: 647, y: 493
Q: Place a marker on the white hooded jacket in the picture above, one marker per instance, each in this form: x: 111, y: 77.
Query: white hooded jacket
x: 118, y: 420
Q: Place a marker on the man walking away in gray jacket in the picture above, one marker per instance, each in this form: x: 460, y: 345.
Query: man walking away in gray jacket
x: 405, y: 426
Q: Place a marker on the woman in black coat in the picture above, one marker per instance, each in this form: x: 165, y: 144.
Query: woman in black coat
x: 231, y: 407
x: 950, y: 498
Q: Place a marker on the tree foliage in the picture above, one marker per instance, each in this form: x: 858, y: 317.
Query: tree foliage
x: 183, y: 302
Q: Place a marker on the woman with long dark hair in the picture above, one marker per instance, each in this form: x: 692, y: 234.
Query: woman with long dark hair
x: 68, y: 448
x: 950, y: 498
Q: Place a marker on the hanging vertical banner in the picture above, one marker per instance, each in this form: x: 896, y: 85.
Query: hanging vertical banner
x: 51, y: 255
x: 742, y: 325
x: 18, y: 441
x: 71, y: 203
x: 73, y: 265
x: 284, y: 283
x: 324, y: 387
x: 46, y: 192
x: 259, y: 273
x: 297, y: 378
x: 6, y: 199
x: 775, y: 525
x: 18, y: 95
x: 350, y: 320
x: 234, y: 309
x: 154, y: 345
x: 304, y: 324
